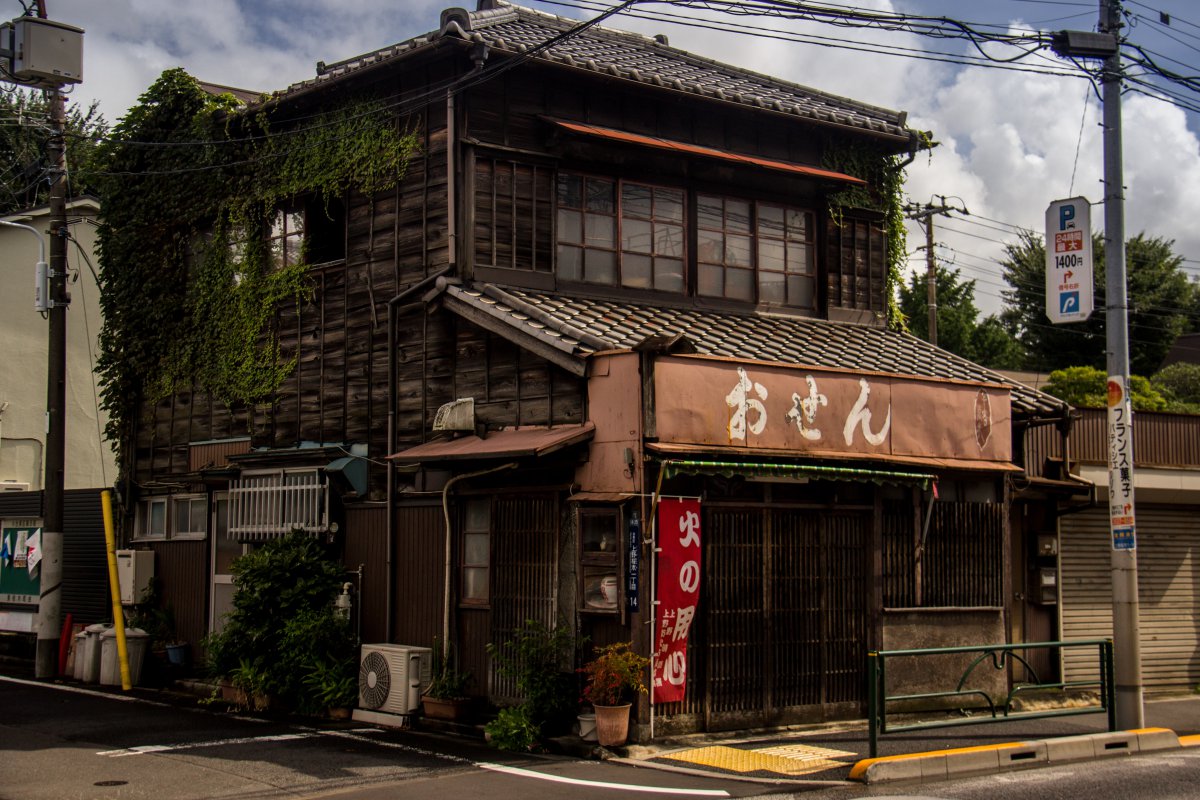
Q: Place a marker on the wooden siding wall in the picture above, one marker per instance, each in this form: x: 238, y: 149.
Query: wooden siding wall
x: 419, y: 571
x: 1159, y: 440
x: 182, y: 574
x: 338, y: 390
x: 443, y: 359
x: 366, y: 544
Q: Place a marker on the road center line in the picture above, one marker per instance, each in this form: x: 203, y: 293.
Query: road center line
x: 526, y: 773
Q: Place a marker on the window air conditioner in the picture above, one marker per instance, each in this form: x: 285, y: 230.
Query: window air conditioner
x: 391, y: 677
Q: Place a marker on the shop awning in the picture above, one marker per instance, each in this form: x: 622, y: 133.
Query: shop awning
x: 703, y: 452
x: 625, y: 137
x: 513, y: 443
x: 776, y: 469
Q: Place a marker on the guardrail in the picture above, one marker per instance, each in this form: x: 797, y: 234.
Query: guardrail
x: 1001, y: 656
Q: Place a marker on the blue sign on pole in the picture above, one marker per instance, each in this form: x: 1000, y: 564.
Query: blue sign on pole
x: 634, y: 563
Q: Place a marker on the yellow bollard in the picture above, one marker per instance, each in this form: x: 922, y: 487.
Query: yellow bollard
x: 110, y: 541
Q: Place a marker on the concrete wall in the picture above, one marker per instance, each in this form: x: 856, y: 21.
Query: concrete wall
x: 24, y: 336
x: 914, y: 629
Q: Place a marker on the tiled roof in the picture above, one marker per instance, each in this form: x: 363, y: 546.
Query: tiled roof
x: 580, y: 326
x: 515, y: 30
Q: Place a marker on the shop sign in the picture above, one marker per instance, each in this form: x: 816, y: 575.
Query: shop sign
x: 634, y: 562
x: 678, y: 586
x: 1120, y: 467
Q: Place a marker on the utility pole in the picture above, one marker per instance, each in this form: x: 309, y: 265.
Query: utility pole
x: 49, y: 619
x: 926, y: 214
x: 1127, y: 655
x: 1127, y: 648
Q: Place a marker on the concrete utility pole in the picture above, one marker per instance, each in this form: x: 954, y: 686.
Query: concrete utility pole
x: 49, y: 619
x: 1126, y: 637
x: 926, y: 214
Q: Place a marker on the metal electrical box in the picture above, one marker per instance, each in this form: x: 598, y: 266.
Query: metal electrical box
x: 46, y: 52
x: 135, y: 573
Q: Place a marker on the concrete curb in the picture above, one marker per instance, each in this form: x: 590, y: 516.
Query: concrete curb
x: 985, y: 759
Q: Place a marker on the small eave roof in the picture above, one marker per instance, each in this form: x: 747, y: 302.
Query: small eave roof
x: 580, y: 326
x: 515, y: 30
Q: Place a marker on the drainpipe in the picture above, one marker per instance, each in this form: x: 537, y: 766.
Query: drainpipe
x: 393, y: 311
x: 449, y: 540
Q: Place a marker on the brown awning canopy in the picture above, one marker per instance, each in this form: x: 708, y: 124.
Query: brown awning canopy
x: 513, y: 443
x: 682, y: 147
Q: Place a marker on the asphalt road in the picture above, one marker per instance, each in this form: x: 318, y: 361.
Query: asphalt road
x: 59, y: 742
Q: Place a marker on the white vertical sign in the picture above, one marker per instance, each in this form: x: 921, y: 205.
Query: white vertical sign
x: 1069, y: 260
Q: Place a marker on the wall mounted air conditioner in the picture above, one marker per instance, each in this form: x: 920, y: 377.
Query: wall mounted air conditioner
x: 391, y: 677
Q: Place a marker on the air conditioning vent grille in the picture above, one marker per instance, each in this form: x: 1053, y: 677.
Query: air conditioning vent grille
x: 374, y: 680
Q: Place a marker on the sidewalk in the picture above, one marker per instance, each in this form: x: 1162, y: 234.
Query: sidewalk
x: 830, y: 753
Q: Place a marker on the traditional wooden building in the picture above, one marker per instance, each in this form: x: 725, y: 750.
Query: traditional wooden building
x: 614, y: 272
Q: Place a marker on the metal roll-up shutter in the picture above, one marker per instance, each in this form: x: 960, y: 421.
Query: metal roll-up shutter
x: 85, y: 558
x: 1168, y: 575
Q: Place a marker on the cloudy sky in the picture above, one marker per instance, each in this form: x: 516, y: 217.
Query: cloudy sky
x: 1011, y: 140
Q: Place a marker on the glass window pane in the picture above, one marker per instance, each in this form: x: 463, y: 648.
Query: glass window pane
x: 278, y: 222
x: 635, y: 271
x: 770, y: 220
x: 770, y: 255
x: 710, y: 247
x: 711, y: 280
x: 478, y: 512
x: 668, y: 240
x: 598, y: 231
x: 570, y: 191
x: 600, y: 195
x: 739, y: 284
x: 295, y: 223
x: 737, y: 216
x: 475, y: 549
x: 570, y: 226
x: 293, y: 250
x: 737, y: 251
x: 771, y: 287
x: 710, y: 212
x: 475, y: 583
x: 599, y: 266
x: 798, y: 227
x: 799, y: 259
x: 635, y: 200
x: 570, y: 263
x: 668, y: 274
x: 199, y: 512
x: 668, y: 205
x: 635, y: 235
x: 158, y: 518
x: 800, y: 291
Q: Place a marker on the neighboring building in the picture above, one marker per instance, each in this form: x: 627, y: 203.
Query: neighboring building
x: 615, y: 272
x: 90, y: 463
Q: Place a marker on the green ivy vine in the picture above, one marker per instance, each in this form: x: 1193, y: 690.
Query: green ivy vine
x: 186, y: 176
x: 884, y: 193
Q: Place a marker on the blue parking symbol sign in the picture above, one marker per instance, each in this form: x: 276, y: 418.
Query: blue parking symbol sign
x: 1068, y: 303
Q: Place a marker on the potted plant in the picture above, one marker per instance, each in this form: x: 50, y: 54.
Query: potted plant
x: 613, y: 680
x: 446, y: 697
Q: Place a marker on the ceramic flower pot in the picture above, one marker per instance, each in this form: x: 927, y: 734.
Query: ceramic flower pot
x: 612, y: 724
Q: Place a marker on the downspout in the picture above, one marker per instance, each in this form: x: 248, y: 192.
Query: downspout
x: 449, y: 550
x: 392, y: 312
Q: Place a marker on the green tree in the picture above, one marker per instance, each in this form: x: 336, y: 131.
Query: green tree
x: 24, y: 176
x: 1160, y: 302
x: 1180, y: 385
x: 1087, y: 387
x: 988, y: 342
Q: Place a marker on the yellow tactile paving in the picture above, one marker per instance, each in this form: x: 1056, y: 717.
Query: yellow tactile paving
x: 785, y: 760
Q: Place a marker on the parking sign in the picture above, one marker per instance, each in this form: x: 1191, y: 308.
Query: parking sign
x: 1069, y: 260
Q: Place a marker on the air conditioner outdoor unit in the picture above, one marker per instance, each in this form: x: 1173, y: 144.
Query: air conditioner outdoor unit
x: 391, y: 677
x: 13, y: 486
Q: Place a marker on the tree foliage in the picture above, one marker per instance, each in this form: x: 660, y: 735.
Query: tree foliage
x: 1180, y: 384
x: 960, y: 331
x: 1160, y: 302
x: 25, y: 129
x: 186, y: 176
x: 1087, y: 387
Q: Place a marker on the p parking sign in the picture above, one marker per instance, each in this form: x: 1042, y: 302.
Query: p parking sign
x: 1069, y: 260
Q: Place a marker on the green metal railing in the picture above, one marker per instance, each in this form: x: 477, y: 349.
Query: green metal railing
x: 1001, y: 656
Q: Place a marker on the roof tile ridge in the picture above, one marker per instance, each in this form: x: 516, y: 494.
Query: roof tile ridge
x: 541, y: 315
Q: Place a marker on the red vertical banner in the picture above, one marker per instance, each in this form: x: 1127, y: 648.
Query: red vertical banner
x: 678, y: 588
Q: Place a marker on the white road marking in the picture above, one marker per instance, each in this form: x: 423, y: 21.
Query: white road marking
x: 167, y: 748
x: 526, y: 773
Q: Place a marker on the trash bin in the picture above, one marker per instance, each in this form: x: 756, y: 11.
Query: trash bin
x: 90, y: 669
x: 77, y: 663
x: 136, y: 641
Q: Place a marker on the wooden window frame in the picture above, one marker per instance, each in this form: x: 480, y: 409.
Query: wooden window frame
x: 599, y: 526
x: 481, y: 565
